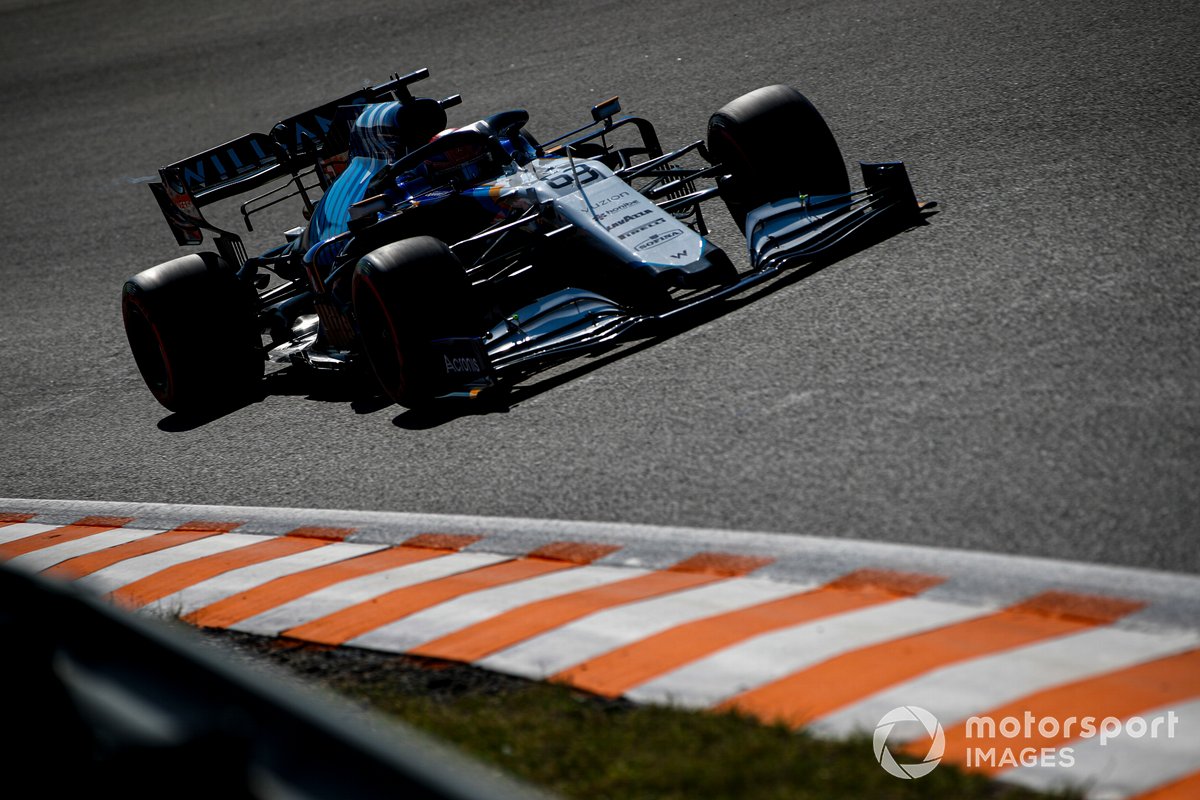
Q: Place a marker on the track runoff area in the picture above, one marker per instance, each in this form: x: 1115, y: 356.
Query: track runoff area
x: 1045, y: 674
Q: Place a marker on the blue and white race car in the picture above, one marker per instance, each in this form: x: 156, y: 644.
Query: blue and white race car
x: 458, y: 261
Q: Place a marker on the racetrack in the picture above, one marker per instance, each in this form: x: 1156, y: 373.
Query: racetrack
x: 1020, y: 375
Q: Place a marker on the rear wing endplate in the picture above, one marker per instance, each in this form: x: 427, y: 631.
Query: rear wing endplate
x: 250, y: 161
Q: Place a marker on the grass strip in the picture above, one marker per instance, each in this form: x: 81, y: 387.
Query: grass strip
x: 582, y: 746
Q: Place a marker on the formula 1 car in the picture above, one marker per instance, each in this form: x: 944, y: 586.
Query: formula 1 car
x: 458, y: 261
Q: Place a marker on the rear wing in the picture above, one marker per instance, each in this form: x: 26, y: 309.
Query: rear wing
x: 306, y: 141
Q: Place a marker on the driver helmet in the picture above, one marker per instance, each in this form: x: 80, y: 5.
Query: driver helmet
x: 463, y: 162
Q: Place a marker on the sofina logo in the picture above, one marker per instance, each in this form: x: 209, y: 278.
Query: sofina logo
x: 937, y: 742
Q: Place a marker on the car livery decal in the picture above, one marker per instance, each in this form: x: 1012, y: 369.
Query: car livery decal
x: 619, y: 217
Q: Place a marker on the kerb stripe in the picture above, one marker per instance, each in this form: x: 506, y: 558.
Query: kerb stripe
x: 179, y: 577
x: 280, y: 591
x: 446, y: 618
x: 955, y: 692
x: 235, y: 581
x: 82, y: 566
x: 356, y: 620
x: 1126, y: 757
x: 1184, y: 789
x: 12, y: 531
x: 505, y: 630
x: 46, y: 557
x: 76, y: 530
x: 774, y: 655
x: 1118, y: 694
x: 613, y: 673
x: 324, y: 534
x: 595, y: 634
x: 821, y: 689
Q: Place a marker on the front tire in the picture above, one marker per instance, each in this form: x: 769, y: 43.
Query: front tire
x: 192, y: 329
x: 407, y: 295
x: 775, y: 144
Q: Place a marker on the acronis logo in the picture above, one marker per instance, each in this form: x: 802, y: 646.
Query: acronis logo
x: 461, y: 364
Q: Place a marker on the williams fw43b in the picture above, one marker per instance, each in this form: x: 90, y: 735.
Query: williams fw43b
x: 456, y: 261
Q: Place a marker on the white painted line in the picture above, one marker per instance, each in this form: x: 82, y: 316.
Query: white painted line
x: 1124, y: 766
x: 954, y: 693
x: 246, y: 578
x: 775, y: 655
x: 39, y: 560
x: 21, y: 530
x: 357, y: 590
x: 132, y: 569
x: 462, y: 612
x: 604, y: 631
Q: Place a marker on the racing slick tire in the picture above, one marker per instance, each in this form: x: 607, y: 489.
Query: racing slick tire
x: 775, y: 144
x: 192, y: 327
x: 407, y: 295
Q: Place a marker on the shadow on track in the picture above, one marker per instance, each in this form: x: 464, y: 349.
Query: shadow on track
x: 358, y: 389
x: 184, y: 421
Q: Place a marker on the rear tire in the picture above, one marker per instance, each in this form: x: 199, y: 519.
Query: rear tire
x: 406, y: 295
x: 192, y: 328
x: 775, y: 144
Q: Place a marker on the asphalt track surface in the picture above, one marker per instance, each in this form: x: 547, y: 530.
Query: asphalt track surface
x: 1020, y: 375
